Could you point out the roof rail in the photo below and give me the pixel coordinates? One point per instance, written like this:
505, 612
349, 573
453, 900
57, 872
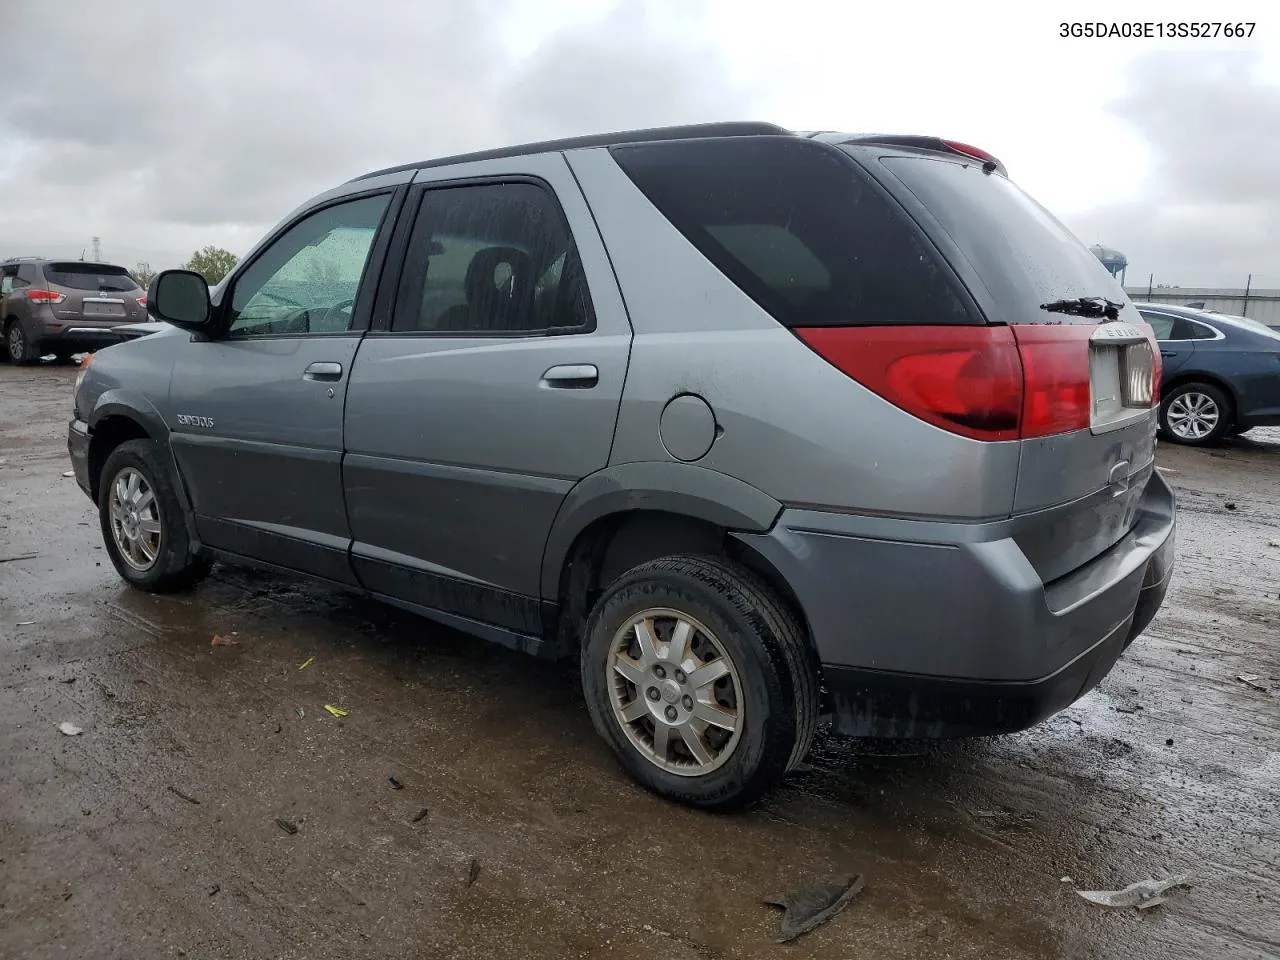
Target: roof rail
686, 132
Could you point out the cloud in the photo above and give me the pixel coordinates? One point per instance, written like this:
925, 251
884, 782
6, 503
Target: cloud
160, 130
1206, 214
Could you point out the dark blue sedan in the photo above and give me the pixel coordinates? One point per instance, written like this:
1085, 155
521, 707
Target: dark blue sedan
1221, 374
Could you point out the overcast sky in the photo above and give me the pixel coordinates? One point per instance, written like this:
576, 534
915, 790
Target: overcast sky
160, 129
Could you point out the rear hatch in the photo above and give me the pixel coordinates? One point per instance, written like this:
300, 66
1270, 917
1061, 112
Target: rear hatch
94, 294
1090, 368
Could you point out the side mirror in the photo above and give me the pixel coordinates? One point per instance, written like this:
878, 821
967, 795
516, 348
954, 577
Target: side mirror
181, 297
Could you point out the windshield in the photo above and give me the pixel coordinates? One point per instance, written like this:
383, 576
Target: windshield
1021, 252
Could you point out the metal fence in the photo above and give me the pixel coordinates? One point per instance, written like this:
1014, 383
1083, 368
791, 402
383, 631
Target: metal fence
1257, 303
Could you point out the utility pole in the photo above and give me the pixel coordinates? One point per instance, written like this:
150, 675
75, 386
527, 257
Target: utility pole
1151, 278
1244, 311
97, 249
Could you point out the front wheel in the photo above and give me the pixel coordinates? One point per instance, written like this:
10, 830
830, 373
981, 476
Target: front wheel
142, 523
700, 679
1196, 414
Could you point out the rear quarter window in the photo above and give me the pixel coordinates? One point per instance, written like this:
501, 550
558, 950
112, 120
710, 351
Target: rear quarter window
800, 229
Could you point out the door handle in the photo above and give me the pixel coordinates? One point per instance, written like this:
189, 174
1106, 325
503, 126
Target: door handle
572, 376
1168, 353
323, 370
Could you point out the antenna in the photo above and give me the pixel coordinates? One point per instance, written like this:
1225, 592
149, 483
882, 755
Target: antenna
82, 254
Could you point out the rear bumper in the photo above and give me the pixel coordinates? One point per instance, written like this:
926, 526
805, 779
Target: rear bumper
78, 448
934, 629
77, 336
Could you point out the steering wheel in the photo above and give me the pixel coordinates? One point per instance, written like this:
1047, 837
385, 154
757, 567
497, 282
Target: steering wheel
332, 314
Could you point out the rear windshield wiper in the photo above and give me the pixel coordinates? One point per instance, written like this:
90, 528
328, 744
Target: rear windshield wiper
1085, 307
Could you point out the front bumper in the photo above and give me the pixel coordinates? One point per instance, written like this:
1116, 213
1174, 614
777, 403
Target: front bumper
78, 448
932, 629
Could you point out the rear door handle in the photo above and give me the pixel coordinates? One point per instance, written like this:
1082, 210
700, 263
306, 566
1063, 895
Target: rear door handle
572, 376
323, 370
1168, 353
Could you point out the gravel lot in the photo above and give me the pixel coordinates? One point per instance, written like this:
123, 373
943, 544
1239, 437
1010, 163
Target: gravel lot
533, 843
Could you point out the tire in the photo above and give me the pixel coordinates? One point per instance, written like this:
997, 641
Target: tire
770, 687
158, 562
18, 347
1196, 415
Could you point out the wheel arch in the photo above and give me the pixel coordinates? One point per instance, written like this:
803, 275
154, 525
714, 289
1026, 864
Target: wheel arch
627, 515
117, 418
108, 433
120, 416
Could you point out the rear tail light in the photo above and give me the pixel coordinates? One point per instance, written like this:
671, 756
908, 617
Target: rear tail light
142, 302
1140, 368
1055, 365
964, 379
45, 296
983, 382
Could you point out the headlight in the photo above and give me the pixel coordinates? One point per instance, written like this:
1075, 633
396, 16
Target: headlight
84, 368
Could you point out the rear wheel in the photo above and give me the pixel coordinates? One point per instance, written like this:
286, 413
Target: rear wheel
700, 679
18, 347
143, 527
1196, 414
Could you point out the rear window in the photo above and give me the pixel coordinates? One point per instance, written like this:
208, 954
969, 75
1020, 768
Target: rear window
1022, 253
90, 276
800, 229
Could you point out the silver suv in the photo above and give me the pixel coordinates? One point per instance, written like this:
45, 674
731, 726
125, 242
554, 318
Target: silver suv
762, 429
64, 307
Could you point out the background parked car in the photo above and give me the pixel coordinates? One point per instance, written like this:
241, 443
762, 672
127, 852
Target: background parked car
64, 307
1221, 373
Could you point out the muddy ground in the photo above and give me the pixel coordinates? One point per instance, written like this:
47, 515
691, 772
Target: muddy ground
1171, 765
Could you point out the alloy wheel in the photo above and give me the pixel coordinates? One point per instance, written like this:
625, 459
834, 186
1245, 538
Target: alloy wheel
1192, 415
135, 519
675, 691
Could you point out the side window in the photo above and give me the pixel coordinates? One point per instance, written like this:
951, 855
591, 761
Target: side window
307, 280
7, 276
1198, 331
1161, 323
17, 276
492, 258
